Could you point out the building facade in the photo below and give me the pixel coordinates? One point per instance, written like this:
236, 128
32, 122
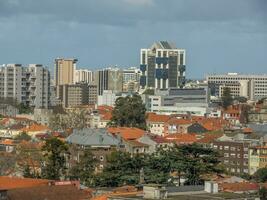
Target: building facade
109, 79
84, 76
253, 87
162, 66
28, 85
65, 71
131, 79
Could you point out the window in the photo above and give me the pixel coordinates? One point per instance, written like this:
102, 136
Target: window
232, 169
232, 154
226, 155
101, 158
238, 155
226, 161
226, 147
232, 148
245, 155
215, 146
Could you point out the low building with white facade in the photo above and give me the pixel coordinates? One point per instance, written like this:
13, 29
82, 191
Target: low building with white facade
253, 87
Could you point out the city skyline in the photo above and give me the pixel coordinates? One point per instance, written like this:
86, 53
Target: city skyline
219, 36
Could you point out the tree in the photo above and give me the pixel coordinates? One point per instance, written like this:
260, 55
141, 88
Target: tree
261, 175
29, 158
263, 193
55, 152
24, 109
23, 136
130, 112
227, 98
84, 169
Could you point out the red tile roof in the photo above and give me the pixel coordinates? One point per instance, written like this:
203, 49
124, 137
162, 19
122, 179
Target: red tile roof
238, 187
153, 117
35, 128
209, 137
8, 183
127, 133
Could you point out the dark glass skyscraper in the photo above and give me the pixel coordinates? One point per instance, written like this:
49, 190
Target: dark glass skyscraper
162, 66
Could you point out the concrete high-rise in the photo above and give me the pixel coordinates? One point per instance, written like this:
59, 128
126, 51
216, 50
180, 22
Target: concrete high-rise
65, 71
162, 66
84, 76
109, 79
29, 85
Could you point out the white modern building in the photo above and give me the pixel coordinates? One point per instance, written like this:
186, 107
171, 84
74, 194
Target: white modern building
84, 75
253, 87
29, 85
131, 78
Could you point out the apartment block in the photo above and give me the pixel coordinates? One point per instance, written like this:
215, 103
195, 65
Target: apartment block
253, 87
131, 79
29, 85
162, 66
65, 70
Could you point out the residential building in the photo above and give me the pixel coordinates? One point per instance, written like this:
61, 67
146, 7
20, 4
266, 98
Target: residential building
65, 71
109, 97
72, 95
178, 101
84, 76
257, 158
28, 85
155, 123
258, 114
162, 66
235, 154
109, 79
92, 95
253, 87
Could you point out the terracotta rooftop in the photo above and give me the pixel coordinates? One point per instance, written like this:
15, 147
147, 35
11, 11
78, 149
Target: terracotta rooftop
127, 133
175, 121
7, 142
153, 117
209, 137
64, 192
8, 183
35, 128
238, 187
106, 116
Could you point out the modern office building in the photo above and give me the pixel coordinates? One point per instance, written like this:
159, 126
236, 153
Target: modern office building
253, 87
29, 85
109, 79
162, 66
83, 76
92, 94
65, 71
178, 101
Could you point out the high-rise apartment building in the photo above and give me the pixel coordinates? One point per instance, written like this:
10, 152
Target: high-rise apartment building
131, 79
65, 71
252, 87
29, 85
162, 66
109, 79
84, 76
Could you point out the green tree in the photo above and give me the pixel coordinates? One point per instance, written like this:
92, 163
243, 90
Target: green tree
27, 172
263, 193
85, 168
23, 136
261, 175
24, 109
227, 98
55, 152
130, 112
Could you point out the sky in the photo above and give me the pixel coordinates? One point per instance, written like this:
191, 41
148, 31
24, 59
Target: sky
219, 35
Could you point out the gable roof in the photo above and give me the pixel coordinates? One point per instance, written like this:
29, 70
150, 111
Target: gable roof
92, 137
127, 133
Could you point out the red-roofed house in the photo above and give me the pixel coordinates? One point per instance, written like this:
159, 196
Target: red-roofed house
127, 133
156, 123
175, 125
243, 187
181, 139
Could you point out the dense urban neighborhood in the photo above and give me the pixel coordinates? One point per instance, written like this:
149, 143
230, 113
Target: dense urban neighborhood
138, 131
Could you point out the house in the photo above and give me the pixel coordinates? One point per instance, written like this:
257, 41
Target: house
196, 128
7, 145
155, 123
136, 147
127, 133
243, 187
259, 113
257, 158
8, 110
101, 116
35, 129
100, 141
176, 125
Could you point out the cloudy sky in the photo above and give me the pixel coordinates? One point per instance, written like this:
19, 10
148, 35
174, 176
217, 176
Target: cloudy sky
219, 35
